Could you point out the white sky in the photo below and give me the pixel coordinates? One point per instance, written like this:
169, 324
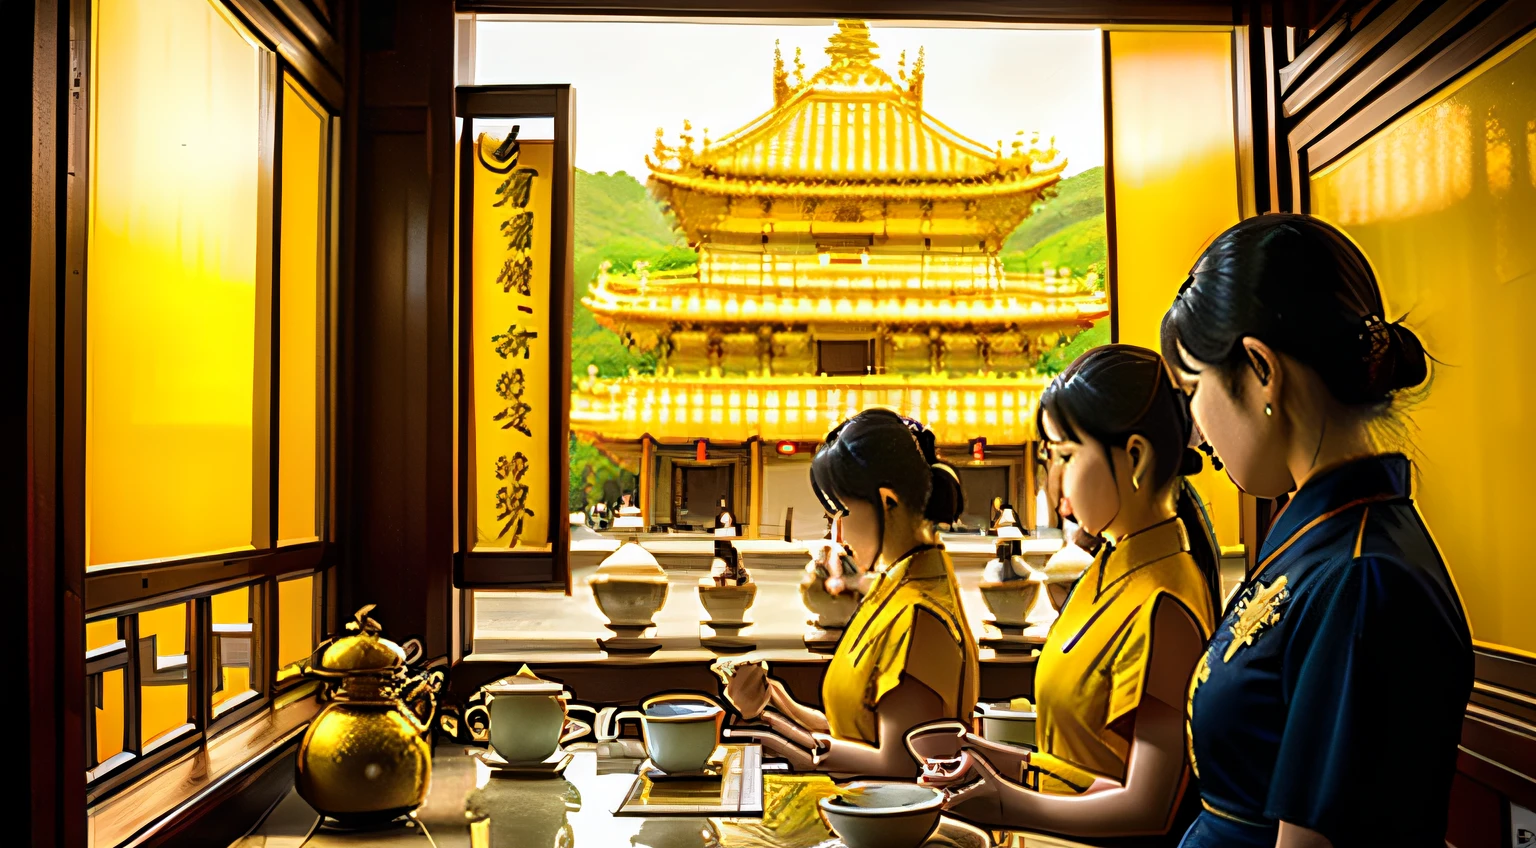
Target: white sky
632, 77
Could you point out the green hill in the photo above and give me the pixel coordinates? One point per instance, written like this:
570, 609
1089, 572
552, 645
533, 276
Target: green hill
615, 220
1077, 198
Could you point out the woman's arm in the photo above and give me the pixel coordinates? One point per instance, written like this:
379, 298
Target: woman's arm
907, 706
1145, 802
1292, 836
812, 720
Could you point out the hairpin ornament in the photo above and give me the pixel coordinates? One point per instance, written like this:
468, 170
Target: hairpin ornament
1375, 340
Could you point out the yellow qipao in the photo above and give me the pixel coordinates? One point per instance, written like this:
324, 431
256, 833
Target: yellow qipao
911, 623
1092, 670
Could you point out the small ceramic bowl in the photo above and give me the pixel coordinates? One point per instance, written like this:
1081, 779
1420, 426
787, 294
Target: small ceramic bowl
727, 604
629, 600
883, 815
1000, 723
1011, 600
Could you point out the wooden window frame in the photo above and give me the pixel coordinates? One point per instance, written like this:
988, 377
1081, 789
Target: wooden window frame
474, 569
124, 591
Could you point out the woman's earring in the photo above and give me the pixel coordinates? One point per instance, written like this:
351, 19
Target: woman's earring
1135, 484
1268, 410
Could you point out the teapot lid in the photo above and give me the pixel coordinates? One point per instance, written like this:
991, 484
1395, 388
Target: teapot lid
525, 682
364, 649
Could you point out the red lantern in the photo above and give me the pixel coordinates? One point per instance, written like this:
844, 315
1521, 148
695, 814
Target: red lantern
787, 448
701, 450
979, 448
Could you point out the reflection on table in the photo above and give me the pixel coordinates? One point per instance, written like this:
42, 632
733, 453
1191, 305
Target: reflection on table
469, 808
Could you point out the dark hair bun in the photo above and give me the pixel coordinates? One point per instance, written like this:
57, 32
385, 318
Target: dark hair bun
1191, 463
1303, 287
946, 500
1407, 364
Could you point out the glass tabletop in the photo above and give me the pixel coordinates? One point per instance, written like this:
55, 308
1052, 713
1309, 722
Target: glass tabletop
468, 807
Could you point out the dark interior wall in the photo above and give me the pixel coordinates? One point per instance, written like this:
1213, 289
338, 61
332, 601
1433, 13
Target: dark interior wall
39, 603
396, 409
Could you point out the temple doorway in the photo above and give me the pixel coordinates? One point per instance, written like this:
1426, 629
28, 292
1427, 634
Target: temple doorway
697, 492
981, 485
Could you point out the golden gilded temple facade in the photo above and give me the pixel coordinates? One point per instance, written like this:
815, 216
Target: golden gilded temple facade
847, 256
847, 249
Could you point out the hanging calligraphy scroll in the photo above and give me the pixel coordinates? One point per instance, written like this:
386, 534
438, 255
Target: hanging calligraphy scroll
514, 303
510, 386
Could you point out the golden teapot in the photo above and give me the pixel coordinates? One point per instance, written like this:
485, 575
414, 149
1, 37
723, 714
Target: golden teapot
366, 759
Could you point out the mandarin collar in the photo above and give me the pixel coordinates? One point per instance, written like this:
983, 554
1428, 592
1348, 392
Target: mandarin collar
1383, 475
1161, 540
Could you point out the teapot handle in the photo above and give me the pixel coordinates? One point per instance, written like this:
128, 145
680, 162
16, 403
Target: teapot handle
413, 650
478, 735
609, 719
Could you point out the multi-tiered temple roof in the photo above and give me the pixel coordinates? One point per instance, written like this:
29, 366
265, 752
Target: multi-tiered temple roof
845, 210
857, 141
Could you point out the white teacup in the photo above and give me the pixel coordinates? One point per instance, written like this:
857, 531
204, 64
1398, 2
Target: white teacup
528, 721
681, 731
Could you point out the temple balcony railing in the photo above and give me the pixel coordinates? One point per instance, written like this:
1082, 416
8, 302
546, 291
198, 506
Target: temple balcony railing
696, 302
803, 408
810, 279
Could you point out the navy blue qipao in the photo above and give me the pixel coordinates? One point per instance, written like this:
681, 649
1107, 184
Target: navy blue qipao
1332, 694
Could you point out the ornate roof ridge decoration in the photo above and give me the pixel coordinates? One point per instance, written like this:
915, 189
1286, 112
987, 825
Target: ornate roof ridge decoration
851, 123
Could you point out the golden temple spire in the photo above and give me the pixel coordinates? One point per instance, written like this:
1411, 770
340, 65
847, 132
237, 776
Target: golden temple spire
915, 85
851, 46
780, 77
799, 69
686, 150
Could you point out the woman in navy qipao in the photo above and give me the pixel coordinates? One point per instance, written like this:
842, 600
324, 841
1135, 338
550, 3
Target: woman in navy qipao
1328, 706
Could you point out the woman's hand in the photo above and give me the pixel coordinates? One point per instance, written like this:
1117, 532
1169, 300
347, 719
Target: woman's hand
969, 783
774, 745
746, 688
790, 730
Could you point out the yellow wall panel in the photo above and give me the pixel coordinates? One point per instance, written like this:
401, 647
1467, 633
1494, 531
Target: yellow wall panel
164, 705
109, 717
1444, 204
233, 607
99, 634
1175, 185
171, 286
295, 619
301, 269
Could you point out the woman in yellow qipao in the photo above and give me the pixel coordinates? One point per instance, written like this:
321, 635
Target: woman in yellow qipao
1111, 678
908, 657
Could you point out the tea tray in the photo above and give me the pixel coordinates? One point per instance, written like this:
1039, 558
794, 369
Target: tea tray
735, 792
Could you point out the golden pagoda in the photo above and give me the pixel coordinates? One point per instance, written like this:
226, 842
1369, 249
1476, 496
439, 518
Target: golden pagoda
847, 256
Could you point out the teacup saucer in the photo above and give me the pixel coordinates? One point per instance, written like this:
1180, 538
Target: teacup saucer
552, 766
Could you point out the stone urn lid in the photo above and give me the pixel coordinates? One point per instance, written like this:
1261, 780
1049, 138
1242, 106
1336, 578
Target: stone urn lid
628, 518
630, 562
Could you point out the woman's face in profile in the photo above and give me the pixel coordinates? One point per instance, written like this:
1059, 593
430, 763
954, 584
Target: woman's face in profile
1079, 481
1235, 426
861, 533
